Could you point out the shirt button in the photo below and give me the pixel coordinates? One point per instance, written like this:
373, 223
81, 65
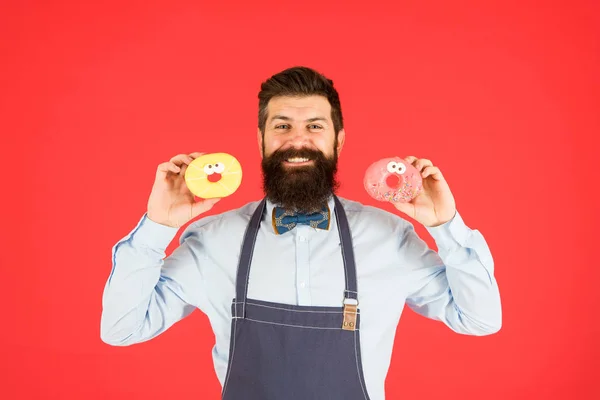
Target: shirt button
302, 284
302, 238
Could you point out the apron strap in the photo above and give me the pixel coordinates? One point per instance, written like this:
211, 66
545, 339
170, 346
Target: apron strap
351, 292
243, 271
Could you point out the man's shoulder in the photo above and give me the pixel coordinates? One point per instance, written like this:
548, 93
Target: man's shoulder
224, 222
359, 213
356, 207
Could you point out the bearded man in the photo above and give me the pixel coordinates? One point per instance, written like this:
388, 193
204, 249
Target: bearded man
303, 289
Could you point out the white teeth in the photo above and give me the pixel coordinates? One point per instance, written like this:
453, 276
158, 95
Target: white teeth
297, 160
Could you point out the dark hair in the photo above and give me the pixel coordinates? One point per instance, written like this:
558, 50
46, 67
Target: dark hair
299, 81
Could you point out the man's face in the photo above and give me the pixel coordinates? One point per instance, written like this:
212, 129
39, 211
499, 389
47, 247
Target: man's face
299, 151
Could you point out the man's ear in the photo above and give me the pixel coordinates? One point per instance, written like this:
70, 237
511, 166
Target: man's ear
260, 142
341, 138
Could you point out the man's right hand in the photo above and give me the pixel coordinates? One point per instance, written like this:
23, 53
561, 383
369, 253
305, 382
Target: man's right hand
171, 203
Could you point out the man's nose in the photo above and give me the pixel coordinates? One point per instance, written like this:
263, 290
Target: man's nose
298, 137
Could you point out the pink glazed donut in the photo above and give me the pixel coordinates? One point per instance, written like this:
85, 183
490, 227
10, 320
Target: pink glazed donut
393, 179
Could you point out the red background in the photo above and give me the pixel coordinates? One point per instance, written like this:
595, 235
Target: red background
502, 97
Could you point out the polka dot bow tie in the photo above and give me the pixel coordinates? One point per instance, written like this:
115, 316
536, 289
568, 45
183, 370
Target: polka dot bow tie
284, 220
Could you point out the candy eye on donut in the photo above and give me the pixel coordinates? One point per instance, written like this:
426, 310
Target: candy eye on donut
209, 169
219, 167
396, 167
392, 167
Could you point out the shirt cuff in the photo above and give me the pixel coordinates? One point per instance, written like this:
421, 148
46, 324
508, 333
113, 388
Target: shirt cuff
451, 234
152, 234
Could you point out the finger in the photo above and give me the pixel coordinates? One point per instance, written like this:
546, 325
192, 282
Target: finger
184, 168
193, 156
422, 163
203, 206
434, 172
410, 159
166, 167
181, 159
406, 208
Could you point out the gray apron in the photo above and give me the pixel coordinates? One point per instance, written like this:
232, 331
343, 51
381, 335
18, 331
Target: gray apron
288, 352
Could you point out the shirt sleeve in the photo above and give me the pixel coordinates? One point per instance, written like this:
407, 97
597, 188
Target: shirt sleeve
456, 285
146, 293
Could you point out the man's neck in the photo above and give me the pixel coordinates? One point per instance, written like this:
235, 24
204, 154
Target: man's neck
314, 209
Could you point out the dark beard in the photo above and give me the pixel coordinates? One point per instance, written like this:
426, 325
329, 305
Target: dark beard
303, 189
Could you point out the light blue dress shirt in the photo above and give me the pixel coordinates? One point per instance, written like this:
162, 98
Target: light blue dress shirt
146, 292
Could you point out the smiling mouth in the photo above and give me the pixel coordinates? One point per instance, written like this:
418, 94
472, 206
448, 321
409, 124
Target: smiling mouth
298, 161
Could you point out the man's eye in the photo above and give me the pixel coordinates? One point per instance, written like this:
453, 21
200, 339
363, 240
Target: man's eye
280, 126
315, 127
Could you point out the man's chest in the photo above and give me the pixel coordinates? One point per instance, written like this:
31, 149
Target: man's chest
304, 268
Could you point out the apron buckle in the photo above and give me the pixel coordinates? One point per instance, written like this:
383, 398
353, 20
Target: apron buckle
350, 311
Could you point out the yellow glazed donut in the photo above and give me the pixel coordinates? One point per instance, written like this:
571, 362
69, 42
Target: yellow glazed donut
213, 175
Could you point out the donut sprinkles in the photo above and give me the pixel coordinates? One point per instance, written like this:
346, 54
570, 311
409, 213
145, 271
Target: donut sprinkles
405, 193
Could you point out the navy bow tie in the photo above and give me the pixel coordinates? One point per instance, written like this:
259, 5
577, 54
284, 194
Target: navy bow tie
284, 220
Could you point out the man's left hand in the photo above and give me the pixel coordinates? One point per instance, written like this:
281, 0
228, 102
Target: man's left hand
435, 205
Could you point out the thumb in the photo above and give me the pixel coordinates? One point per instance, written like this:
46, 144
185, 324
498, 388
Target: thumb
406, 208
203, 206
